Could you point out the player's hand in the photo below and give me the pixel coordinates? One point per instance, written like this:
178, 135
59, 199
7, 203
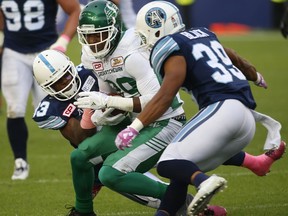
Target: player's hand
91, 100
105, 118
61, 44
260, 81
125, 137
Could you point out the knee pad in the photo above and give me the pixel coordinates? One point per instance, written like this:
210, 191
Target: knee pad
77, 159
109, 176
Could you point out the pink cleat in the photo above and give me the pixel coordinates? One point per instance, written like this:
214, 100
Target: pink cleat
214, 211
266, 160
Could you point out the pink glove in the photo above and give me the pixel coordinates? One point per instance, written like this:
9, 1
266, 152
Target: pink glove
125, 137
260, 81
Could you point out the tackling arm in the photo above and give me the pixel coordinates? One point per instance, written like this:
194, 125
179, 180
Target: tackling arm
73, 132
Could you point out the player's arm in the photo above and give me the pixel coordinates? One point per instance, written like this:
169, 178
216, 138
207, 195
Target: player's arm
73, 132
174, 75
146, 82
246, 67
72, 9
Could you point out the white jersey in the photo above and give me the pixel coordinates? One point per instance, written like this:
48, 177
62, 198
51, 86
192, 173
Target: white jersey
127, 70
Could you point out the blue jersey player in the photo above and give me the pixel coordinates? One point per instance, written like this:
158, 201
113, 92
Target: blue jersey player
216, 79
62, 81
30, 27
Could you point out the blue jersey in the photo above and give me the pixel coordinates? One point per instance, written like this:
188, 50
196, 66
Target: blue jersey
210, 75
54, 114
30, 26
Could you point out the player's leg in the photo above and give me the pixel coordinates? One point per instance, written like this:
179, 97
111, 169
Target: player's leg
88, 154
16, 83
122, 170
260, 164
196, 152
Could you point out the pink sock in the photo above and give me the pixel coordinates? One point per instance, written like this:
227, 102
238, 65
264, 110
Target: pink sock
260, 165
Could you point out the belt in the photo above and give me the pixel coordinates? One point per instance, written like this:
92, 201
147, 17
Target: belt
181, 117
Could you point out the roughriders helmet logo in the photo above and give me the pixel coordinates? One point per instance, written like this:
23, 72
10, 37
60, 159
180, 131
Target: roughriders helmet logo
155, 17
111, 11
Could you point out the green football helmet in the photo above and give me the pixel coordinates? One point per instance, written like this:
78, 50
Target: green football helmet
100, 27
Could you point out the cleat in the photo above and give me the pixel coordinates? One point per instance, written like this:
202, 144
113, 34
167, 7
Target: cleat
206, 191
214, 211
210, 211
276, 154
266, 160
74, 212
21, 170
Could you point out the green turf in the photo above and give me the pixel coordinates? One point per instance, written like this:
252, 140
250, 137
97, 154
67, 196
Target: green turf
49, 187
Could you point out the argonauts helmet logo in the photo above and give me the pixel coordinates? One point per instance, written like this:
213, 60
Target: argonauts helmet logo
155, 17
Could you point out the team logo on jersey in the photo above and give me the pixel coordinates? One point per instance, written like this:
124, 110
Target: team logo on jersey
155, 17
69, 110
117, 61
97, 66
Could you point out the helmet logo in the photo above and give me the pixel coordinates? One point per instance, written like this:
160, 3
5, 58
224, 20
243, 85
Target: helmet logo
155, 17
111, 11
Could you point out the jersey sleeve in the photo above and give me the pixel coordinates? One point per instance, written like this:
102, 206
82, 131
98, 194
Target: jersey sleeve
162, 49
53, 114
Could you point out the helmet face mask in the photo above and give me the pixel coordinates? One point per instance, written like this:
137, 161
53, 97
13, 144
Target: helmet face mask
100, 27
56, 75
156, 20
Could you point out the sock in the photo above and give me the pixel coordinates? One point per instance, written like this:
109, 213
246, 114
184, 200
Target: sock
132, 183
161, 213
236, 160
199, 178
18, 136
178, 170
83, 180
174, 197
257, 164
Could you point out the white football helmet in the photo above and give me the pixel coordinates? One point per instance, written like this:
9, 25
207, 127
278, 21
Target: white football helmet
50, 66
157, 19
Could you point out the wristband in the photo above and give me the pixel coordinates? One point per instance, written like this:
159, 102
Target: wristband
137, 125
121, 103
1, 38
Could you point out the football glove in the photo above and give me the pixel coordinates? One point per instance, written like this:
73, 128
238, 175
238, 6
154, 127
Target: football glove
125, 137
91, 100
260, 81
100, 118
61, 44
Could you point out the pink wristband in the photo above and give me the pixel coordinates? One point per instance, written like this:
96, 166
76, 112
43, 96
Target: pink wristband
66, 37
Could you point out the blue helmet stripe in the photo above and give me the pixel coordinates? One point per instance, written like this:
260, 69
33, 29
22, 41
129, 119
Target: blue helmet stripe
48, 65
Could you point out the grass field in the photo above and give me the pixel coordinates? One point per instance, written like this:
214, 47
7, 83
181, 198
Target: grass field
49, 187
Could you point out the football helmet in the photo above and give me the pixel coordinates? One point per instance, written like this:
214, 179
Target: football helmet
157, 19
49, 67
101, 19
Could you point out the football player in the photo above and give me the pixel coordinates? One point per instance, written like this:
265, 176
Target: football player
30, 27
216, 78
62, 81
120, 64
